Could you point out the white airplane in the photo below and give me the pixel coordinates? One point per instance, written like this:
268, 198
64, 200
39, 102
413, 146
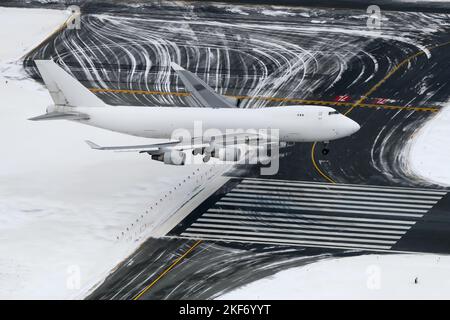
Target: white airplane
73, 101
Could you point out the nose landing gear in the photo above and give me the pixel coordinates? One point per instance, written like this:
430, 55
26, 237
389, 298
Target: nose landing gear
325, 150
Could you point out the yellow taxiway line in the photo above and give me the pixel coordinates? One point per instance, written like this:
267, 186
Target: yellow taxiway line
276, 99
313, 160
177, 261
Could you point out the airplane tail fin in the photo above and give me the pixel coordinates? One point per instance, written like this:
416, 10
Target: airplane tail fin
64, 89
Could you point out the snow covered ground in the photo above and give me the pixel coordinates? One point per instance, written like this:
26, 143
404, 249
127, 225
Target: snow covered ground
23, 29
68, 214
428, 152
362, 277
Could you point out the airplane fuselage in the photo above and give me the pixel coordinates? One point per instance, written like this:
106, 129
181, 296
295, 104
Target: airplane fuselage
294, 123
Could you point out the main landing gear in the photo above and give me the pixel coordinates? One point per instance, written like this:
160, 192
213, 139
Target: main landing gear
206, 158
202, 151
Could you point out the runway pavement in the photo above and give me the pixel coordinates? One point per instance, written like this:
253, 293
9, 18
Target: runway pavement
362, 197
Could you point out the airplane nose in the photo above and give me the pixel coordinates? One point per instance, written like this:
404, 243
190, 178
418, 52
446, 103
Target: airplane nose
354, 126
349, 127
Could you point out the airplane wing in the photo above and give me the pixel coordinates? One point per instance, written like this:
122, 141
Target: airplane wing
150, 148
203, 93
198, 142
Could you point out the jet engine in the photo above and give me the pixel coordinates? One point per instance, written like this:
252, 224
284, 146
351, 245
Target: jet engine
227, 154
176, 158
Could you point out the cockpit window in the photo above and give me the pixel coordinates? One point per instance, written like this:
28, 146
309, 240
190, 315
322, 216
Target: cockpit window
332, 112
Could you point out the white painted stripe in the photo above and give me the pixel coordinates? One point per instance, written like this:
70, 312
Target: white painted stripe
285, 207
344, 186
340, 195
309, 204
269, 227
294, 220
301, 224
346, 192
290, 235
310, 216
337, 245
375, 203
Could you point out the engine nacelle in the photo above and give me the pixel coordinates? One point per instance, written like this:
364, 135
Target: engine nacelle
227, 154
176, 158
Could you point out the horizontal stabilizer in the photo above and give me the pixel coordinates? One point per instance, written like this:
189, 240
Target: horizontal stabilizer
61, 116
93, 145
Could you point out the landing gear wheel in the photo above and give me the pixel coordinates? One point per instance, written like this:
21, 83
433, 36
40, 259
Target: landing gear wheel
197, 151
206, 158
325, 151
